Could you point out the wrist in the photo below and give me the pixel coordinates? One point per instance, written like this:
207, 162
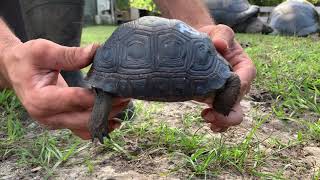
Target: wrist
6, 46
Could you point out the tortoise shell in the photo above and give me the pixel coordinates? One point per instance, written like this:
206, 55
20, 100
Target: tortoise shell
154, 58
295, 17
231, 12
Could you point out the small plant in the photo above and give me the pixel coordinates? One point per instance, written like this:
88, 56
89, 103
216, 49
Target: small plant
90, 166
316, 175
10, 103
46, 152
314, 129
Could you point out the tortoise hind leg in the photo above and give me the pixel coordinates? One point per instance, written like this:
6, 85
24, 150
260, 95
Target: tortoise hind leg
228, 96
98, 124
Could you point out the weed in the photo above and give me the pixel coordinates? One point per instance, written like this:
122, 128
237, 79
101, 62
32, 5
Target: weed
46, 152
12, 125
316, 175
189, 119
90, 166
314, 129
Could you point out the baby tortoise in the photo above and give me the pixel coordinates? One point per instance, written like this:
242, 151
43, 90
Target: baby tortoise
158, 59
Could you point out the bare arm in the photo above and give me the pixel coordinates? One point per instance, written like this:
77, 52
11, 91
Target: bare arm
7, 38
192, 12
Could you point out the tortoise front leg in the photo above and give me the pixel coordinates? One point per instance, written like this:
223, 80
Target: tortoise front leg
226, 98
98, 124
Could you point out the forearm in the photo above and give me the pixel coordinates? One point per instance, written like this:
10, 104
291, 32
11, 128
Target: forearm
193, 12
7, 39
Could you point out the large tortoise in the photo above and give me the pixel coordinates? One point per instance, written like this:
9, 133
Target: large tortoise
295, 17
240, 15
158, 59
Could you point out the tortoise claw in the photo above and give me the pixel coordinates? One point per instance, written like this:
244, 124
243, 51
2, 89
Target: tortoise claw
100, 136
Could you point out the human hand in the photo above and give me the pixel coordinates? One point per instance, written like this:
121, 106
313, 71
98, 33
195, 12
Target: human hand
32, 70
223, 39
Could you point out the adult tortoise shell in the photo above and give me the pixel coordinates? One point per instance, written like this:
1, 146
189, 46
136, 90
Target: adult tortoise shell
295, 18
158, 59
240, 15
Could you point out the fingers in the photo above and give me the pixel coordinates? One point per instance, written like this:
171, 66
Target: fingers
220, 122
120, 101
221, 35
246, 73
55, 100
223, 39
56, 57
221, 45
243, 66
85, 134
77, 121
61, 82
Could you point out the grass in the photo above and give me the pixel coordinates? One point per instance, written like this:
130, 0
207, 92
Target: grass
287, 79
288, 69
96, 34
13, 127
201, 155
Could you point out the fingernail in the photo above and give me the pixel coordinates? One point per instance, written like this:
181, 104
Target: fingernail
90, 49
215, 129
114, 123
205, 112
226, 43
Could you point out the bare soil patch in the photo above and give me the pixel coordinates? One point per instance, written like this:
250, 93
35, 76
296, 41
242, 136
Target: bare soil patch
296, 161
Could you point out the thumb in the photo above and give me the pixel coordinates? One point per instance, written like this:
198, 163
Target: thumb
220, 44
221, 35
74, 58
219, 121
223, 38
47, 54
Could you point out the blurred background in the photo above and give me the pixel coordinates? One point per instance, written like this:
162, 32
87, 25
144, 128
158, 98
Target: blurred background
119, 11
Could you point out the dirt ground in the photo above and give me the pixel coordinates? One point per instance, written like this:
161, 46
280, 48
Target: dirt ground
296, 162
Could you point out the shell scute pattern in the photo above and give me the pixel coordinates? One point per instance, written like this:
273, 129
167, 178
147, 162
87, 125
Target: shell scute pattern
135, 54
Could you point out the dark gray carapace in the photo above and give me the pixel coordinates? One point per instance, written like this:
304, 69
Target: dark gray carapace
158, 59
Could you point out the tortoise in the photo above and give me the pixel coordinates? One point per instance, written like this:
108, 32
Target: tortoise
240, 15
158, 59
295, 17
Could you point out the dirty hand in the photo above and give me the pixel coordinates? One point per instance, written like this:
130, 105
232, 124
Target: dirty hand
32, 70
223, 39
